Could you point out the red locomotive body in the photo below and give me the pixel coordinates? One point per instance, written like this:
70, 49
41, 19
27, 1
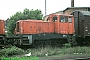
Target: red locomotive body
2, 27
35, 32
34, 27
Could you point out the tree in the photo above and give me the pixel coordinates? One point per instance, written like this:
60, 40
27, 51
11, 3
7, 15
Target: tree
26, 14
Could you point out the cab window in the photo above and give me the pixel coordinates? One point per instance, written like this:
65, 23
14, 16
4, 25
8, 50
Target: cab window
54, 18
70, 19
48, 19
63, 19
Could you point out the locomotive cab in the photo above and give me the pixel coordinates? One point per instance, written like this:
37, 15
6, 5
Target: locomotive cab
64, 25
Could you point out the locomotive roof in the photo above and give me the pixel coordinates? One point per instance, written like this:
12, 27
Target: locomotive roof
31, 20
63, 14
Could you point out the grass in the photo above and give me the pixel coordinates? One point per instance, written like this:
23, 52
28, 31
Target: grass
59, 51
64, 52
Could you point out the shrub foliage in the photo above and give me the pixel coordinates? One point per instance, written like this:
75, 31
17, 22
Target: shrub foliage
11, 51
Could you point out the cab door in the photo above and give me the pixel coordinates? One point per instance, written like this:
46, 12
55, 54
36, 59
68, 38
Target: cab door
71, 25
63, 25
55, 21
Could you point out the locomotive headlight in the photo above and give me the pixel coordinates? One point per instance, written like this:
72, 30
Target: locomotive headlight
86, 27
64, 35
44, 34
74, 35
86, 30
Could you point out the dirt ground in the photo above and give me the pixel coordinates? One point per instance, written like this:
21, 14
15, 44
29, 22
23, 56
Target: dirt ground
66, 57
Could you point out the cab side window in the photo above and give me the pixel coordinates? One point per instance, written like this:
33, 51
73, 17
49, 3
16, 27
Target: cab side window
66, 19
70, 19
63, 19
54, 18
48, 19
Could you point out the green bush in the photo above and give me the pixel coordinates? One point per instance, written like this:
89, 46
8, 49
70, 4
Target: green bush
11, 51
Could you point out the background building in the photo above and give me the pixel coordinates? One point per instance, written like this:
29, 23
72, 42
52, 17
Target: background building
69, 10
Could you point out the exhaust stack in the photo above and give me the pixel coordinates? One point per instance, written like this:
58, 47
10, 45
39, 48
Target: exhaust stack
72, 3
